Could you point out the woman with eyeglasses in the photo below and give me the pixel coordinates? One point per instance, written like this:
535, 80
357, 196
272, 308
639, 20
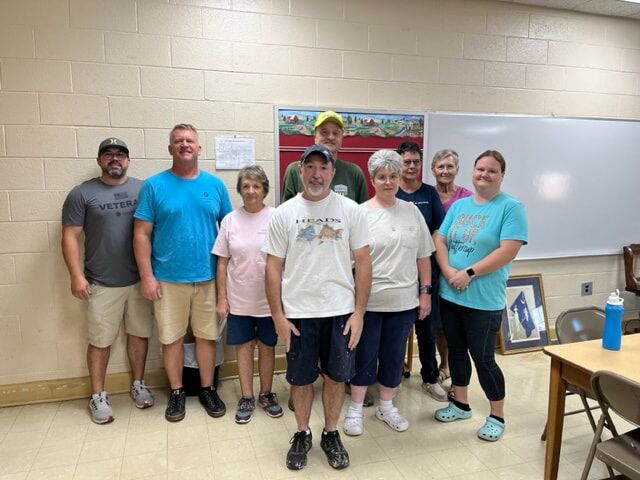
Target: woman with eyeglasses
425, 197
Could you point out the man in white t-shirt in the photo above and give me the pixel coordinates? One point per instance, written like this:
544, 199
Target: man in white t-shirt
316, 303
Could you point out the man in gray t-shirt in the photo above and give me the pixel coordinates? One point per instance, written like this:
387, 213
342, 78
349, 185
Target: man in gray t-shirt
103, 209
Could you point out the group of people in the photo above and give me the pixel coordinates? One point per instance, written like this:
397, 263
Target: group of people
340, 278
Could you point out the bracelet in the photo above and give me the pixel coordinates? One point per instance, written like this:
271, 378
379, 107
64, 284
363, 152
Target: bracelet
428, 289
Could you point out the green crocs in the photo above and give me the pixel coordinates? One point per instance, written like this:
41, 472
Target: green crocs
451, 413
492, 430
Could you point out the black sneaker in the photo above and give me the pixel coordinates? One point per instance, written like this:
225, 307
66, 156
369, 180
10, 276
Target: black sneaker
175, 406
332, 446
212, 403
297, 454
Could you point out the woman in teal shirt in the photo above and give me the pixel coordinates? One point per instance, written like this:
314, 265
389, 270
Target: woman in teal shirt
475, 245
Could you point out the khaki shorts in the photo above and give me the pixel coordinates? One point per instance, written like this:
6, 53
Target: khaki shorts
182, 303
106, 308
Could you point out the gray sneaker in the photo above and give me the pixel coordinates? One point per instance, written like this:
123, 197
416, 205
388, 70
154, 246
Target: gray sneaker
436, 391
269, 401
100, 409
141, 395
246, 406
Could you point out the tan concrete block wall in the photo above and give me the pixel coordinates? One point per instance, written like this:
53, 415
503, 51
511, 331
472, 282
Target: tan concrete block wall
73, 72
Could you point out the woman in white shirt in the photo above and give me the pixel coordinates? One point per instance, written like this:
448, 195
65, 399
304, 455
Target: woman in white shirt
400, 248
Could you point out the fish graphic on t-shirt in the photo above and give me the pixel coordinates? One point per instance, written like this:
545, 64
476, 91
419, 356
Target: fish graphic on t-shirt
329, 233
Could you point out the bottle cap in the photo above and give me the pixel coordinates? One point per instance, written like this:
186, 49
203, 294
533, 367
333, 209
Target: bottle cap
615, 298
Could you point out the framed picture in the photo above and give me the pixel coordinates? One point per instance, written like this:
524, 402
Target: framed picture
525, 324
365, 131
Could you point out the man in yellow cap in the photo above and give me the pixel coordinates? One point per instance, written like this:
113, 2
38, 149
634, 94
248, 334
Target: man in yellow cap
348, 180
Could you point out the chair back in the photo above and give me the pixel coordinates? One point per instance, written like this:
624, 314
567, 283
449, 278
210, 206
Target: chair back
618, 393
629, 254
580, 324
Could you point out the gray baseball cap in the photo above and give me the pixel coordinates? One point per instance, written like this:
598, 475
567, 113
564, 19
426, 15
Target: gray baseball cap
112, 142
321, 149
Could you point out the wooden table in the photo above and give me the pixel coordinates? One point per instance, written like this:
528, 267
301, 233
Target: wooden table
574, 363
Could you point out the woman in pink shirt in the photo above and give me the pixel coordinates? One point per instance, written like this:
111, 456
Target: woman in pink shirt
445, 167
241, 291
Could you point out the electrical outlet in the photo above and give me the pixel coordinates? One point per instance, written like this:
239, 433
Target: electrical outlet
586, 288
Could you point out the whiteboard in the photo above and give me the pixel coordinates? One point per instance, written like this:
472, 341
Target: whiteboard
577, 178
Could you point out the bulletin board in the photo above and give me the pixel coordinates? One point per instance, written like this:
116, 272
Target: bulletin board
364, 133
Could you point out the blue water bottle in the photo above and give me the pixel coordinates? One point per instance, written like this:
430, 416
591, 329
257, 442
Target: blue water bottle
612, 334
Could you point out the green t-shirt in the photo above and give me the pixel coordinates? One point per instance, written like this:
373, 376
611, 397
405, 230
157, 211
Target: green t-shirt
348, 181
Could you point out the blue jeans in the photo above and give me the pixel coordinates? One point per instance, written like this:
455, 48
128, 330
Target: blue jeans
473, 332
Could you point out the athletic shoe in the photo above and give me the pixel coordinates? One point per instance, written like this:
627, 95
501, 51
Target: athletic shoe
336, 453
212, 403
269, 401
297, 454
246, 406
100, 409
175, 406
141, 395
392, 418
435, 391
353, 423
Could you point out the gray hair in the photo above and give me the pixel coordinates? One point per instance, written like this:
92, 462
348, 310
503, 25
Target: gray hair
253, 172
447, 152
384, 159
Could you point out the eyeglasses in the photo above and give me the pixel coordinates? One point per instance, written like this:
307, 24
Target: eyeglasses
112, 155
408, 163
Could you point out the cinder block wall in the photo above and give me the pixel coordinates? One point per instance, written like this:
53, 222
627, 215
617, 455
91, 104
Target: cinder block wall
75, 71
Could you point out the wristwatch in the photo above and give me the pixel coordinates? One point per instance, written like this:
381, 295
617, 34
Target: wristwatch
428, 289
471, 272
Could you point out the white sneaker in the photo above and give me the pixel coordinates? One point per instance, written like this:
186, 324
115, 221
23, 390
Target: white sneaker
100, 409
393, 418
436, 391
353, 423
141, 395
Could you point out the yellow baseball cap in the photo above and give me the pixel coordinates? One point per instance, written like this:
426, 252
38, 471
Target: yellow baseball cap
329, 116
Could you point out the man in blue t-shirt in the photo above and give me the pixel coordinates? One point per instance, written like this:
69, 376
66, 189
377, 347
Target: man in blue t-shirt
176, 224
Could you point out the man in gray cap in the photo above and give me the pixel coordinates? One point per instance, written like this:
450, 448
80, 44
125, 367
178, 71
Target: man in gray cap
316, 303
103, 209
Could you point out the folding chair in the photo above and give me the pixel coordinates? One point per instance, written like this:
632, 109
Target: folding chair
579, 325
622, 452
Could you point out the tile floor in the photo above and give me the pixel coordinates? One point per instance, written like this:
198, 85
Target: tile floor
58, 440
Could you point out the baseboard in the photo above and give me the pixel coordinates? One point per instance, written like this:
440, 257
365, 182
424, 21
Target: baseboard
74, 388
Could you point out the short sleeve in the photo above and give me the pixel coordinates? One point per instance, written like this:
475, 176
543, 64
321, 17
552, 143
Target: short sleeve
425, 247
515, 226
225, 201
361, 187
438, 211
359, 235
73, 209
289, 189
221, 245
145, 210
277, 240
448, 219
